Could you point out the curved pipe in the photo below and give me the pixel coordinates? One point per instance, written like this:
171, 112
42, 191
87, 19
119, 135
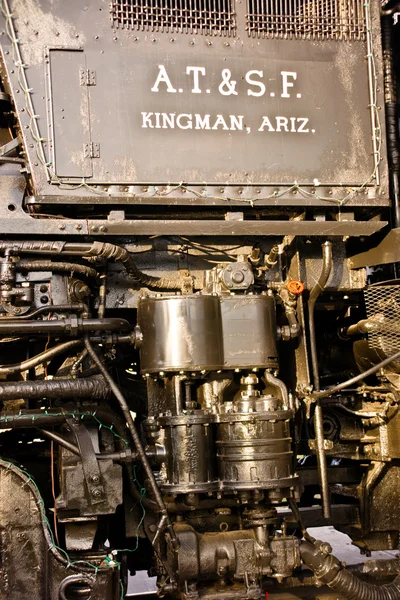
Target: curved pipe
45, 356
280, 386
75, 579
318, 416
328, 569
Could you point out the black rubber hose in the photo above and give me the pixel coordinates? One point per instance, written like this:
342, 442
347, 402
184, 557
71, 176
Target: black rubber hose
136, 440
57, 267
120, 254
92, 387
102, 250
69, 326
329, 571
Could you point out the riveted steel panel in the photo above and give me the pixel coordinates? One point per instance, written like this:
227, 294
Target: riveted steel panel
209, 108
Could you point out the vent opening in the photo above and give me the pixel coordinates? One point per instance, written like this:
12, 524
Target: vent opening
306, 19
208, 17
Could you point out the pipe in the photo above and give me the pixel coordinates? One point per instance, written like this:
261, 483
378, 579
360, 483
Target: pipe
69, 325
357, 378
45, 356
314, 294
55, 388
280, 386
101, 250
115, 456
55, 437
56, 267
318, 416
329, 570
271, 260
364, 326
137, 443
78, 307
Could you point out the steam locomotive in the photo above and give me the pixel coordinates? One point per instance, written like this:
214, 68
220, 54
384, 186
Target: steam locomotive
199, 297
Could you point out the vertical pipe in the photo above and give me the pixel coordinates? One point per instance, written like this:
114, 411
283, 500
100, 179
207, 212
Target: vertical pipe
318, 416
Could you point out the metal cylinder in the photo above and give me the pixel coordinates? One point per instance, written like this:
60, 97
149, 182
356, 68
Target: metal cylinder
190, 454
180, 333
249, 332
254, 446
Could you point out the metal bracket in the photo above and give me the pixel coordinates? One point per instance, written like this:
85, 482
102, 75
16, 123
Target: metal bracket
87, 77
10, 147
90, 466
91, 150
328, 444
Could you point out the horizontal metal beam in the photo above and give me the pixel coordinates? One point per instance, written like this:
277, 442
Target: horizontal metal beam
27, 225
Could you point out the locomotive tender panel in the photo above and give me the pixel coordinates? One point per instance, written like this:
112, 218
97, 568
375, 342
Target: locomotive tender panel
222, 95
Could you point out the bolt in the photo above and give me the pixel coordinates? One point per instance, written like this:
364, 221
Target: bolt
78, 227
96, 493
62, 227
95, 479
103, 229
325, 548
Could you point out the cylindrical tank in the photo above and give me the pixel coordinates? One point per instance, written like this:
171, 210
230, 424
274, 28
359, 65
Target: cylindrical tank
254, 445
180, 333
190, 454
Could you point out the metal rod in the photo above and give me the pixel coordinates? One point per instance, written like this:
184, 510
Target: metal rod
357, 378
318, 416
60, 440
137, 443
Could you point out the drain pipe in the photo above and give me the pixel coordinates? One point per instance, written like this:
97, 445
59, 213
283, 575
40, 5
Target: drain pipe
318, 417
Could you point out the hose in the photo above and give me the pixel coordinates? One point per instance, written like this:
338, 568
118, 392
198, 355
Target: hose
330, 571
137, 443
101, 250
56, 267
92, 387
318, 416
69, 325
45, 356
